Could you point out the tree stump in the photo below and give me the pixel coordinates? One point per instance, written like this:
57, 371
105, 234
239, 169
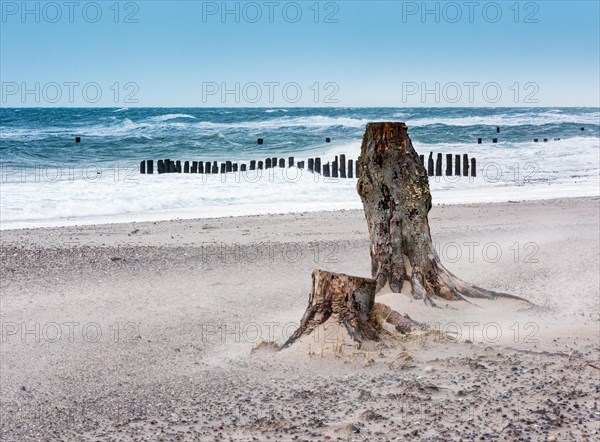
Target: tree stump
347, 299
394, 190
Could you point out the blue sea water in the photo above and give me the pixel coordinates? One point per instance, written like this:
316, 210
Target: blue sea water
49, 179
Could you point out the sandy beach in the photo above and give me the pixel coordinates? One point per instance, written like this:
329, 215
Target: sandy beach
145, 331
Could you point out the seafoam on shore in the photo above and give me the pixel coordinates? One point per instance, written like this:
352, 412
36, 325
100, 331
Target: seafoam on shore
48, 179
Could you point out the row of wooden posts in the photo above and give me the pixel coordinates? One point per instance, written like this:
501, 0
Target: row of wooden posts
535, 140
338, 168
328, 140
436, 168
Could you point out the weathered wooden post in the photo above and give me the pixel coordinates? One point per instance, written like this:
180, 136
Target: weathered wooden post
228, 166
143, 166
479, 140
186, 167
430, 164
457, 165
150, 167
260, 165
473, 167
317, 165
172, 167
161, 166
300, 164
422, 159
260, 141
235, 167
274, 162
334, 168
465, 165
167, 165
350, 168
194, 168
178, 166
438, 165
326, 170
328, 140
311, 164
252, 164
223, 168
215, 168
282, 163
243, 168
448, 164
268, 163
342, 166
498, 129
357, 165
290, 161
494, 140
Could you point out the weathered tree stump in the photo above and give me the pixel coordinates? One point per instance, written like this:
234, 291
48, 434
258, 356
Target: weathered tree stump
394, 189
347, 299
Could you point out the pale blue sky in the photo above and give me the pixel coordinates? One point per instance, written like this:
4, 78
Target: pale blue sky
377, 53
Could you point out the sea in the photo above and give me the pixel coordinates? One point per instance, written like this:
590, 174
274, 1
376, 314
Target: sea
47, 179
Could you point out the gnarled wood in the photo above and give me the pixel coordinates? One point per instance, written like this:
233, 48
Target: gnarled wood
394, 189
402, 323
347, 299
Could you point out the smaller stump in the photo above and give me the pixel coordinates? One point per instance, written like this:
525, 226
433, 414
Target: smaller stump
348, 299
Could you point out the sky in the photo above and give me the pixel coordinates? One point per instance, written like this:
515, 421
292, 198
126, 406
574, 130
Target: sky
303, 53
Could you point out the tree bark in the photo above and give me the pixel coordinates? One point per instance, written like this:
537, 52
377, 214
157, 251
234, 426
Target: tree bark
394, 189
347, 299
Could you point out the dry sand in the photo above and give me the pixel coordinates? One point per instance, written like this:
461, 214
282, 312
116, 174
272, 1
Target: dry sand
144, 331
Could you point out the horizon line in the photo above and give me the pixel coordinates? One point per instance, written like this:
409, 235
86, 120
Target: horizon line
298, 107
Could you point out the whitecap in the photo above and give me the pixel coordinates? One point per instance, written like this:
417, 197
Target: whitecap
518, 119
168, 117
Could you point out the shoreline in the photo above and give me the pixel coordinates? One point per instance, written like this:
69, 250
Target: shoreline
122, 219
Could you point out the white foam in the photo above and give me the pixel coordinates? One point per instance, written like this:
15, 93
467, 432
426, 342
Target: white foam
509, 119
171, 117
147, 127
170, 196
315, 121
